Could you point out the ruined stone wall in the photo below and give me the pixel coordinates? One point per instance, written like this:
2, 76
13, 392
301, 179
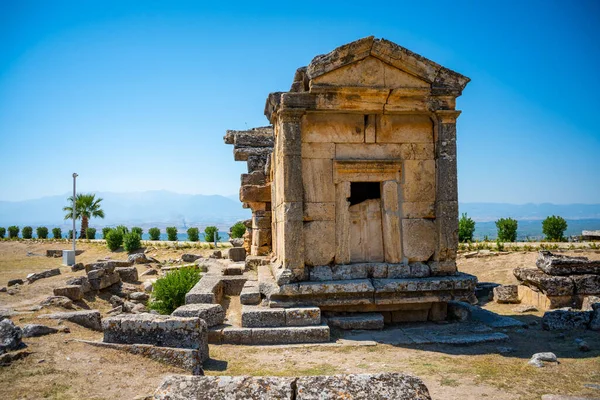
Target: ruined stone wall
255, 147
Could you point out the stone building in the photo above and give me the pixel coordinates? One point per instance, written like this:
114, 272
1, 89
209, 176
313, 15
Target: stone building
360, 186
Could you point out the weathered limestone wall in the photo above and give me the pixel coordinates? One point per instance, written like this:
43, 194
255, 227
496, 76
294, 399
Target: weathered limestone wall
255, 147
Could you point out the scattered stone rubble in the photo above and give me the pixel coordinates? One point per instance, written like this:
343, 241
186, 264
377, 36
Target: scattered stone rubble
353, 386
87, 318
559, 281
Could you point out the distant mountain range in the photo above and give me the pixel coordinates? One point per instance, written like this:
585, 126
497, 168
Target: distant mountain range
163, 208
151, 208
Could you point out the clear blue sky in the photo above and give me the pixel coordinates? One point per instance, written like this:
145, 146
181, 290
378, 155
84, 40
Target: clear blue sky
137, 95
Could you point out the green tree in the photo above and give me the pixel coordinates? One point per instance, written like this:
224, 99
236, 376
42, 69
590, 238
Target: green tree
154, 233
2, 233
138, 230
90, 233
466, 227
238, 230
193, 234
211, 233
507, 229
13, 232
105, 231
27, 232
554, 228
42, 232
172, 233
56, 233
87, 206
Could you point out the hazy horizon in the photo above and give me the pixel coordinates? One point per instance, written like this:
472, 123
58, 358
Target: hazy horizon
136, 96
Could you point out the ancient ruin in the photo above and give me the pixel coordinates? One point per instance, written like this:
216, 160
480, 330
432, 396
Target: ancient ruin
353, 189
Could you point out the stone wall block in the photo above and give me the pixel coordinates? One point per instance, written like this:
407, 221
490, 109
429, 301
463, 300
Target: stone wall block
419, 183
319, 242
418, 239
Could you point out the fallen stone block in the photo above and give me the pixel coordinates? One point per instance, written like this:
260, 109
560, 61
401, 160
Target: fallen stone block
548, 284
250, 294
212, 314
87, 318
258, 317
102, 278
35, 330
106, 264
73, 292
77, 267
362, 386
157, 330
586, 284
233, 270
148, 286
291, 335
139, 296
41, 275
595, 320
140, 258
566, 319
484, 289
180, 387
237, 254
127, 274
208, 290
557, 264
253, 262
523, 308
506, 294
80, 281
538, 359
57, 301
9, 358
357, 321
187, 359
10, 336
14, 282
190, 257
302, 316
54, 253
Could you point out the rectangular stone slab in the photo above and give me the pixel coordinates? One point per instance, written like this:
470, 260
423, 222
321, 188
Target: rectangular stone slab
291, 335
550, 285
212, 314
558, 264
157, 330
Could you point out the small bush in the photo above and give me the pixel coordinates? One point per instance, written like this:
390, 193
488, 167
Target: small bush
507, 229
499, 245
56, 233
90, 233
2, 233
169, 292
42, 232
105, 231
238, 230
70, 235
193, 234
13, 232
138, 230
132, 241
172, 233
27, 232
211, 233
154, 233
466, 227
114, 239
124, 230
554, 228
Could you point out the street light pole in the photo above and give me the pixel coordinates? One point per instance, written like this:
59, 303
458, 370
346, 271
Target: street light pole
74, 209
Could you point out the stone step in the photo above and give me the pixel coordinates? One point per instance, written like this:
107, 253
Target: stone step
357, 321
233, 270
262, 317
212, 314
250, 294
270, 335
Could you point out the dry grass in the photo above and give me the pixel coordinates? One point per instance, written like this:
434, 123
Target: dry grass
60, 368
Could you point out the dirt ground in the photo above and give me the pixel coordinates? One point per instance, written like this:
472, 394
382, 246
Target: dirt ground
61, 368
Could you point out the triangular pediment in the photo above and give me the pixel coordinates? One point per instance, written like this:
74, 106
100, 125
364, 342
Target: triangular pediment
370, 72
384, 64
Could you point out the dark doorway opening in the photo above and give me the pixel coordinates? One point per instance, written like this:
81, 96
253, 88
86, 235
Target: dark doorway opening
361, 191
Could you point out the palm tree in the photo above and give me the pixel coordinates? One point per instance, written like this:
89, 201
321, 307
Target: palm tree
86, 206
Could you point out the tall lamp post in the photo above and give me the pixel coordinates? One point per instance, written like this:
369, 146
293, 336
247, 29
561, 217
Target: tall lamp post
74, 209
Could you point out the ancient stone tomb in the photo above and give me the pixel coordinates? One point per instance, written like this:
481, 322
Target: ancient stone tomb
355, 196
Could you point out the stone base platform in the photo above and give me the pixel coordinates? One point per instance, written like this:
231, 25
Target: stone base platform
374, 294
269, 335
543, 302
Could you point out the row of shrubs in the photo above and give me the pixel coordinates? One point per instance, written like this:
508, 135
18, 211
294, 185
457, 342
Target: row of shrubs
553, 227
210, 232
